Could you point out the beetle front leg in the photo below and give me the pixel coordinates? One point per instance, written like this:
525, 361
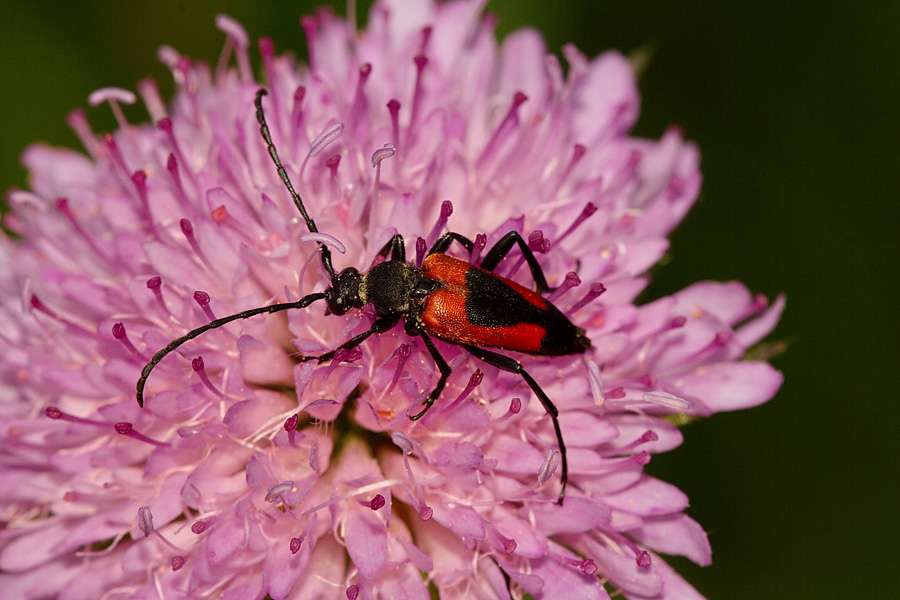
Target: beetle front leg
379, 326
396, 247
443, 243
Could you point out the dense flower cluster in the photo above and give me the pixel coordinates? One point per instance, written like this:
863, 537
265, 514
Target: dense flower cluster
249, 473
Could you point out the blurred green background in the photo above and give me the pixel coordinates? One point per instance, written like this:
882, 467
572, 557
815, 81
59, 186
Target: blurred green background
796, 109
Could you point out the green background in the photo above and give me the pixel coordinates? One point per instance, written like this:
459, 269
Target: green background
795, 107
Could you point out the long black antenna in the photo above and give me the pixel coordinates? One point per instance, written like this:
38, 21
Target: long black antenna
272, 308
310, 224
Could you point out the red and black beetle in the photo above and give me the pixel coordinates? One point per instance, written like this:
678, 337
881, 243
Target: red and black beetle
446, 297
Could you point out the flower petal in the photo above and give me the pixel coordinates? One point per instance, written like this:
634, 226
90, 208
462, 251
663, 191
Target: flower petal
574, 515
366, 542
731, 385
675, 534
648, 497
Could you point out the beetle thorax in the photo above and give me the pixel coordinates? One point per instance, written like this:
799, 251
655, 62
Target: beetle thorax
389, 286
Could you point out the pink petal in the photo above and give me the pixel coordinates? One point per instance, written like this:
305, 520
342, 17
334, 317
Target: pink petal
328, 562
283, 568
574, 515
464, 521
586, 430
530, 542
463, 455
727, 302
633, 427
494, 578
366, 542
648, 497
515, 456
675, 534
606, 100
731, 385
31, 549
674, 587
522, 56
263, 363
624, 573
762, 325
225, 539
565, 581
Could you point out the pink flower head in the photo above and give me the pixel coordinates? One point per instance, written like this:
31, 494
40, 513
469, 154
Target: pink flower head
250, 472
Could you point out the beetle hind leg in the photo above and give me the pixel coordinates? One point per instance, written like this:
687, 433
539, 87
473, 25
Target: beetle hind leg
505, 363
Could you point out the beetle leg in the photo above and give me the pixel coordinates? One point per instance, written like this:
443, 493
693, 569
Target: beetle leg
396, 247
379, 326
505, 363
443, 243
441, 365
502, 248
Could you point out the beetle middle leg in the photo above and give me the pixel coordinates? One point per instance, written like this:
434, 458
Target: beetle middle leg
505, 363
442, 366
499, 250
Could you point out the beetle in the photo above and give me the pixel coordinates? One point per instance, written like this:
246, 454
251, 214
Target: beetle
448, 298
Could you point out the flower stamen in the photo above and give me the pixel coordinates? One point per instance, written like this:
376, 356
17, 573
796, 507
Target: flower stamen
118, 331
667, 400
172, 168
509, 122
165, 124
474, 382
41, 307
127, 429
237, 40
203, 299
420, 62
55, 413
62, 205
589, 209
113, 96
200, 370
443, 217
571, 280
548, 466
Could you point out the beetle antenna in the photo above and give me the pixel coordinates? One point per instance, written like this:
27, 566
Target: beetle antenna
282, 173
272, 308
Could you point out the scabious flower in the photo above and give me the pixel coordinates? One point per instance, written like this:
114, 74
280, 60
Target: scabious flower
249, 473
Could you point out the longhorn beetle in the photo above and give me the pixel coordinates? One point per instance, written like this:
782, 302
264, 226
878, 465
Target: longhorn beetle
446, 297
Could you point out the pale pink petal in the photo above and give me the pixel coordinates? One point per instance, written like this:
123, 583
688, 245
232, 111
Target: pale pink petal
731, 385
762, 325
624, 572
575, 515
676, 534
366, 541
674, 587
606, 101
522, 56
648, 497
727, 302
567, 582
